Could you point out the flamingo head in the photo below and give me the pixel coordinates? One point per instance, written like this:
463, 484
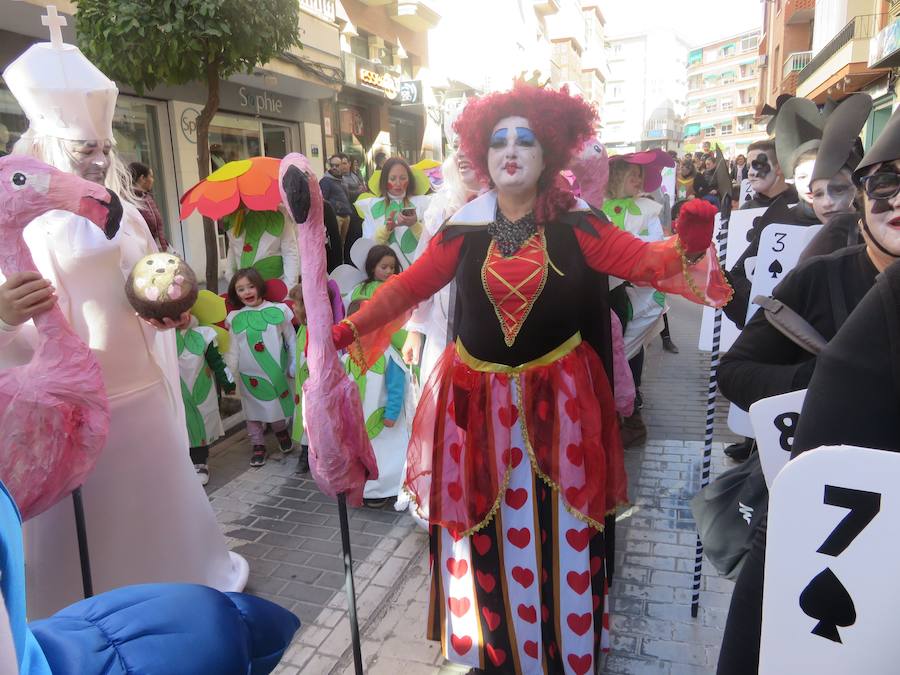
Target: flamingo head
29, 188
591, 167
300, 191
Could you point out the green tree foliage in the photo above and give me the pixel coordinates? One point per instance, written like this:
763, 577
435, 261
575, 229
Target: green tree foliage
146, 43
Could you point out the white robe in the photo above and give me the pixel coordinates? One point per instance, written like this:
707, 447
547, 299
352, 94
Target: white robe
147, 516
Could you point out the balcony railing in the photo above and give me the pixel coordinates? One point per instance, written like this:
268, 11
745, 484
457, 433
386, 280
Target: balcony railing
324, 9
796, 62
859, 28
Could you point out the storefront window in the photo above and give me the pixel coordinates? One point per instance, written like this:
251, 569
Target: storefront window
232, 138
12, 121
353, 132
406, 138
136, 128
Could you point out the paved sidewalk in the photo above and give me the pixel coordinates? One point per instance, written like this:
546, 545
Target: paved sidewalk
289, 533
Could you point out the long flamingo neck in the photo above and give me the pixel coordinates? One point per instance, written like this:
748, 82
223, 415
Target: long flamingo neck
15, 257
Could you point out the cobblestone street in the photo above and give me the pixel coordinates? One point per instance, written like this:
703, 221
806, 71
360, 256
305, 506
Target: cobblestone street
289, 533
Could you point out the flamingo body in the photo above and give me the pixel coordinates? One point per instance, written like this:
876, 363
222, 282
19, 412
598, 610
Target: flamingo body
340, 455
591, 169
54, 413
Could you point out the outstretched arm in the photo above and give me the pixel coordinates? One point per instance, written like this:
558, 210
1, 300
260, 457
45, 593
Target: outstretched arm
372, 326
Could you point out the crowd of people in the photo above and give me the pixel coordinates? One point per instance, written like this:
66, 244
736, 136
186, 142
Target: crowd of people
496, 328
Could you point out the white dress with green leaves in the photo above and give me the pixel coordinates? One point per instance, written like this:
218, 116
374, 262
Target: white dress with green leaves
301, 374
404, 240
260, 354
265, 241
201, 404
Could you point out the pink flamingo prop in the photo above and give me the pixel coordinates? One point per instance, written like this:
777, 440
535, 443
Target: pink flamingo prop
340, 454
54, 414
591, 169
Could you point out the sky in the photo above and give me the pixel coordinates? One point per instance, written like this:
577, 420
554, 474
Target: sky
698, 21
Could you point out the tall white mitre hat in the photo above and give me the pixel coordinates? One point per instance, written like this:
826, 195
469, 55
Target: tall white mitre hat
62, 93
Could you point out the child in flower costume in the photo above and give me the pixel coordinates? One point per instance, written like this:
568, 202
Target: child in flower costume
261, 353
199, 361
265, 241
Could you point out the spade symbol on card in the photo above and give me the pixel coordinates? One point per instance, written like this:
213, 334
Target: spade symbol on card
826, 600
775, 268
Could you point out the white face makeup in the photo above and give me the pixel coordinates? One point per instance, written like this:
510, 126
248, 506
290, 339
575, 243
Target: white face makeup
466, 170
833, 196
90, 159
883, 215
515, 156
802, 174
761, 172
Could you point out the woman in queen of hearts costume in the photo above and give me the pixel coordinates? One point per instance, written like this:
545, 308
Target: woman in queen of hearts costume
515, 459
148, 519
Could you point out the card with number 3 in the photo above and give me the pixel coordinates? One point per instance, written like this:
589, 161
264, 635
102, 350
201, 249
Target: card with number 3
831, 584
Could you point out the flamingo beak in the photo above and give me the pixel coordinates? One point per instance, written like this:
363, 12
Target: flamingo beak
295, 188
104, 213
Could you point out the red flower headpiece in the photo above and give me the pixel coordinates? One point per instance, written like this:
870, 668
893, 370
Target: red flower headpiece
561, 122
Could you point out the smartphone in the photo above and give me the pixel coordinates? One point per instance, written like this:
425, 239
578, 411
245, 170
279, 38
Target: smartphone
409, 213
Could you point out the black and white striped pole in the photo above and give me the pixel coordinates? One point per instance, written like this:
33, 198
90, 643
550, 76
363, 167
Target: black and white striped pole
725, 216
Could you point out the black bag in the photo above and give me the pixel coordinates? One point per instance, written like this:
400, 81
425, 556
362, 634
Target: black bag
727, 512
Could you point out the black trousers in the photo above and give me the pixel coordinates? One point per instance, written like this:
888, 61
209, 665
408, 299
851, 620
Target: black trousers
740, 644
200, 454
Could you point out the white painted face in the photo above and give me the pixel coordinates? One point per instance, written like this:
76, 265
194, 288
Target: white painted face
833, 196
515, 156
761, 173
466, 170
90, 159
883, 215
802, 175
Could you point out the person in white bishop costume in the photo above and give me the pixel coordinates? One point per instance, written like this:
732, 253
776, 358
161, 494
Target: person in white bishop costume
147, 517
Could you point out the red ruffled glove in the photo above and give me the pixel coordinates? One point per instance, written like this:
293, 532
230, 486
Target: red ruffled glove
695, 226
342, 335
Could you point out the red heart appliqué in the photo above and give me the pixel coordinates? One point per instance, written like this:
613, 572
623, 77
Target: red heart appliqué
459, 606
513, 456
575, 453
527, 613
523, 575
455, 491
580, 623
482, 543
461, 645
572, 410
497, 656
531, 648
578, 582
486, 581
519, 537
457, 568
578, 539
575, 496
455, 451
580, 664
596, 565
492, 618
516, 499
508, 415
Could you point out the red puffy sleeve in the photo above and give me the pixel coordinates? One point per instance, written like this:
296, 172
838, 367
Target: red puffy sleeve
661, 264
391, 305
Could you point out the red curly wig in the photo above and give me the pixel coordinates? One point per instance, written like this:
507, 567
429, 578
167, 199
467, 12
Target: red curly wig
561, 122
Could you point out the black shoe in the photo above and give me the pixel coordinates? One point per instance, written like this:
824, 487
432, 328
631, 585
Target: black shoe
739, 452
285, 442
376, 503
638, 399
258, 458
669, 346
303, 460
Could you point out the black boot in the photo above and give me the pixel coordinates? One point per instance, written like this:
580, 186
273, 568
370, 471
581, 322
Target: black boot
303, 460
739, 452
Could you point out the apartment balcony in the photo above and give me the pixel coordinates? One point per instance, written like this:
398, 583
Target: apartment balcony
884, 49
841, 67
796, 62
799, 11
546, 7
415, 14
324, 9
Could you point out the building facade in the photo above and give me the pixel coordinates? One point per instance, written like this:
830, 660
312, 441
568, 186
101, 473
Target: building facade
645, 97
722, 82
785, 48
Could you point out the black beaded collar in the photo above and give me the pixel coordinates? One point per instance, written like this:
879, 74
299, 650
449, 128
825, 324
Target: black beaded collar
509, 235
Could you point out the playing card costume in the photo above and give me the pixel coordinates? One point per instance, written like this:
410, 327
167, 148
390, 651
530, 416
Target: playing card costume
824, 290
147, 517
515, 459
